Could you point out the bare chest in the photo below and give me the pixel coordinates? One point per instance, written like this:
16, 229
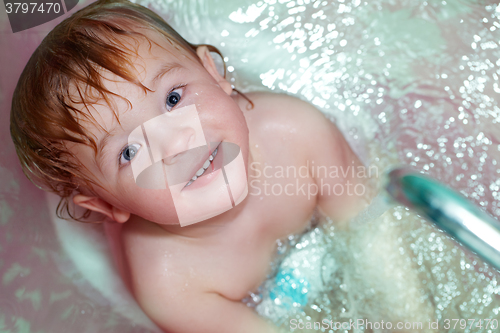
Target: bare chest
237, 260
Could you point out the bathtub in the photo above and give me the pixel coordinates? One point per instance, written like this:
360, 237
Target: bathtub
408, 83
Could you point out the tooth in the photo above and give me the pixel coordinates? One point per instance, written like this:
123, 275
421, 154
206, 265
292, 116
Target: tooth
206, 164
210, 158
215, 151
199, 172
189, 183
194, 178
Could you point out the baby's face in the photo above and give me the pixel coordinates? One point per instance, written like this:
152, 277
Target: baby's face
179, 154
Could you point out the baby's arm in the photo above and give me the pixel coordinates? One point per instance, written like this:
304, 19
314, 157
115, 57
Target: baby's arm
343, 189
196, 312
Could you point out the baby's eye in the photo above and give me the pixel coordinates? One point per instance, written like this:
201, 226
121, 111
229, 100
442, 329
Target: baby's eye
173, 98
128, 153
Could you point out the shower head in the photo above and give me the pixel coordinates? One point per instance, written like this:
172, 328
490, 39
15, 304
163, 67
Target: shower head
448, 210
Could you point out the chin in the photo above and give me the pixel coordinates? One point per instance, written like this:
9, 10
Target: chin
214, 193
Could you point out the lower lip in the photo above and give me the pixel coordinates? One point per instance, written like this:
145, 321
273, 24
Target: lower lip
206, 178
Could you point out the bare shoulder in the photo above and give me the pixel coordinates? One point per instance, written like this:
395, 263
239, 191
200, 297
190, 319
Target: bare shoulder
155, 257
161, 273
281, 108
284, 118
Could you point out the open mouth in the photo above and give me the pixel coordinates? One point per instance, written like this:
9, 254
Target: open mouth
204, 167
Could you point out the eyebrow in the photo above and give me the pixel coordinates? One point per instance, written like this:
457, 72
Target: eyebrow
100, 156
164, 69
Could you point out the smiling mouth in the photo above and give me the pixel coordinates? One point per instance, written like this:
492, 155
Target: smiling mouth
204, 167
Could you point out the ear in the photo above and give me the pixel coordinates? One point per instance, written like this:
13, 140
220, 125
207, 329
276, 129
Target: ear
100, 206
209, 64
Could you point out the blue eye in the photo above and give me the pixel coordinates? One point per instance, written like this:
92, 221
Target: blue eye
128, 153
173, 98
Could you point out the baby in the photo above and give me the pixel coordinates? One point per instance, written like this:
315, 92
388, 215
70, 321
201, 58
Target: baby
117, 113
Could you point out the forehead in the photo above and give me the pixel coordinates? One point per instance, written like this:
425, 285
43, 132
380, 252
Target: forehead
153, 49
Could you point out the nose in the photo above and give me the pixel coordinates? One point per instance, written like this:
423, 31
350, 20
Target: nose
179, 144
169, 138
170, 135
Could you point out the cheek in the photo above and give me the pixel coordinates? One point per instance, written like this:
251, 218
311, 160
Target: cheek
218, 110
153, 205
209, 97
221, 113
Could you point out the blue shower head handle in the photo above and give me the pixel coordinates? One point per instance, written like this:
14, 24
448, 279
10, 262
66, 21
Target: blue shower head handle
448, 210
